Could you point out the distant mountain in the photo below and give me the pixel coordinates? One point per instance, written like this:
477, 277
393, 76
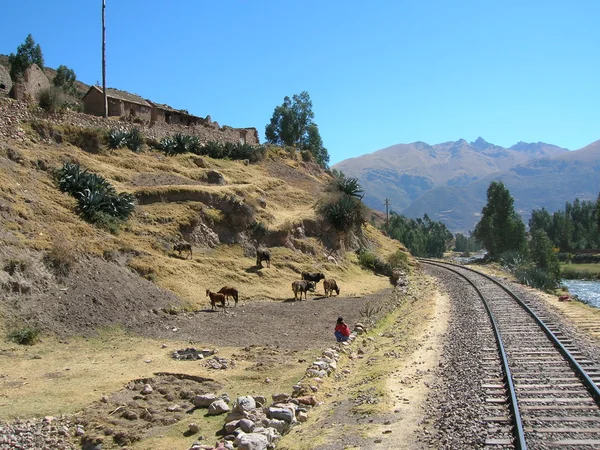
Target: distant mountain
449, 181
404, 173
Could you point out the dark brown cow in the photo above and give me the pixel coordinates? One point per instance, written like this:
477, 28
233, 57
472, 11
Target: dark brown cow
183, 247
330, 285
310, 276
263, 255
302, 286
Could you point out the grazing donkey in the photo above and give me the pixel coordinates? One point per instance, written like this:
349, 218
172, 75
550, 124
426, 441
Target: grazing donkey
216, 298
183, 247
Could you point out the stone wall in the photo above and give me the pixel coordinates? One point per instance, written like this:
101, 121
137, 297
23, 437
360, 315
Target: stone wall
5, 81
33, 82
14, 113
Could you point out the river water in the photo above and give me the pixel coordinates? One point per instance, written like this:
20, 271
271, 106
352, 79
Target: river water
586, 291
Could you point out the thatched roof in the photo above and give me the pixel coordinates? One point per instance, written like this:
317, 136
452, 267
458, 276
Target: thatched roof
168, 108
121, 95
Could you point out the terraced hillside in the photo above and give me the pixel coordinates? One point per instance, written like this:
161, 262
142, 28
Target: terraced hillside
112, 307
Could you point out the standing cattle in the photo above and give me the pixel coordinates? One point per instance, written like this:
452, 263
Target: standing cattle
228, 291
263, 255
216, 298
310, 276
330, 285
183, 247
302, 286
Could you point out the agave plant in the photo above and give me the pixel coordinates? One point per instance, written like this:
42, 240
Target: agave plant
91, 202
71, 178
117, 138
167, 145
135, 140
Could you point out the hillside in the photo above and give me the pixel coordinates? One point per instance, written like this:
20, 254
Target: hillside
111, 308
543, 182
448, 181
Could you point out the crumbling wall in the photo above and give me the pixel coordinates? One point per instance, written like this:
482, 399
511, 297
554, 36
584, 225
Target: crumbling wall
13, 113
34, 80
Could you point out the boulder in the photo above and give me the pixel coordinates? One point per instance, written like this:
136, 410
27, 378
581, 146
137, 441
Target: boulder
217, 407
204, 400
244, 403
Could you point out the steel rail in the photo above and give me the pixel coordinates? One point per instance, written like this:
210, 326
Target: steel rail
519, 434
579, 371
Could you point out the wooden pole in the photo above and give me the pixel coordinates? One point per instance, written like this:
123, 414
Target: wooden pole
387, 217
104, 59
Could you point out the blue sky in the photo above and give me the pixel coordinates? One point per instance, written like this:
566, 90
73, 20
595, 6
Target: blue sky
379, 73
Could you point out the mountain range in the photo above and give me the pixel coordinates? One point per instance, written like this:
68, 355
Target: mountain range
448, 181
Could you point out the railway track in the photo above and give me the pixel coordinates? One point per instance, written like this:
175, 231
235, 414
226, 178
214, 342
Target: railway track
540, 391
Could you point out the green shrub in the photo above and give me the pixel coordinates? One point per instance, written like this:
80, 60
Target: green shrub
399, 259
89, 139
535, 277
25, 336
259, 231
370, 261
512, 259
51, 99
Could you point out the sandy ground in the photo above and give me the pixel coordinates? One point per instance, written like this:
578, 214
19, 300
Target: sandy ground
408, 385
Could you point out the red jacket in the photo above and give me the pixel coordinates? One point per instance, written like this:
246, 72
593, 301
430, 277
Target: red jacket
343, 328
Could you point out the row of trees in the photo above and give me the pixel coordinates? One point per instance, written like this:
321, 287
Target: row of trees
533, 258
577, 227
423, 237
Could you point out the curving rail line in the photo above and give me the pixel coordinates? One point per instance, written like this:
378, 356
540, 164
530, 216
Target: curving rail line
553, 399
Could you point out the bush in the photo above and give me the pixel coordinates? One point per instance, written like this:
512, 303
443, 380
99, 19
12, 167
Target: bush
259, 231
535, 277
14, 265
61, 256
25, 336
51, 99
512, 259
399, 259
89, 139
370, 261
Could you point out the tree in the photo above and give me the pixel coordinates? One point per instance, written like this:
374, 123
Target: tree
65, 78
598, 213
292, 125
500, 228
542, 254
461, 243
28, 53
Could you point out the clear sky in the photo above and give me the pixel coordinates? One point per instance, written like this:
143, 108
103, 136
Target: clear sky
379, 73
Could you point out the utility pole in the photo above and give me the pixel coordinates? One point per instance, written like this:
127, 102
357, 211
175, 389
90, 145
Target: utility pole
104, 59
387, 217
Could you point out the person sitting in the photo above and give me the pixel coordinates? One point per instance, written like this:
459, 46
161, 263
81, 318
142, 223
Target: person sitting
342, 331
